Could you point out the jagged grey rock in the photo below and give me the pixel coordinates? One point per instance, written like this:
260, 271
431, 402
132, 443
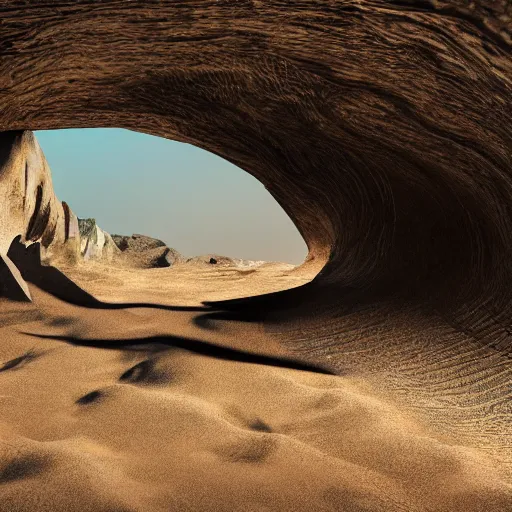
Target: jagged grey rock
95, 244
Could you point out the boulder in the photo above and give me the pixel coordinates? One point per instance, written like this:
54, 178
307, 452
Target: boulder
145, 252
137, 243
212, 259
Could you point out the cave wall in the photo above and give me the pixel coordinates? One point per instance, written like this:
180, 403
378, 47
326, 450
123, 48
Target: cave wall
381, 127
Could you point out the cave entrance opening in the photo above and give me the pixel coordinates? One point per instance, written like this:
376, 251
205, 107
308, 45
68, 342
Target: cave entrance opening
137, 201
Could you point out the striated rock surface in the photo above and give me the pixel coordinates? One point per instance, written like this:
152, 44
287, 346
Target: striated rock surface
30, 208
95, 244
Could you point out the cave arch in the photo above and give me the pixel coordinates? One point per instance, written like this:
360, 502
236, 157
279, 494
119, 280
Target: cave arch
389, 182
381, 127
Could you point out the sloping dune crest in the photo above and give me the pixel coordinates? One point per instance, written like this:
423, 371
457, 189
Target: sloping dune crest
383, 129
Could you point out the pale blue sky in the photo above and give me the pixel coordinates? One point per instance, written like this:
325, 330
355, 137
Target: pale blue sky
195, 201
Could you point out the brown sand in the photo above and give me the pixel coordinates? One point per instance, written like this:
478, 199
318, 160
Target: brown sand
382, 127
152, 427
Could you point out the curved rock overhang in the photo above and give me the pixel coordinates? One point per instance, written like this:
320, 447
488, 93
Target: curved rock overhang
383, 128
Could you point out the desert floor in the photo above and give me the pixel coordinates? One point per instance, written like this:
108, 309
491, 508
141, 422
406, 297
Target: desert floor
159, 407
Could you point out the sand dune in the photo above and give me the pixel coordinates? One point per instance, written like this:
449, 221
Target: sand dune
148, 425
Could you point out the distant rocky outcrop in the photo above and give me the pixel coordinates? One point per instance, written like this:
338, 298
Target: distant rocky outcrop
224, 261
95, 244
146, 252
212, 259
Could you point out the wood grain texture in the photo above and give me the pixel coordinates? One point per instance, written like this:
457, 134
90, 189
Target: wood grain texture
384, 130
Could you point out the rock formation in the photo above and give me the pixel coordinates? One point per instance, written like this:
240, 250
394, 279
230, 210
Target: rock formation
213, 259
146, 252
376, 125
29, 206
95, 244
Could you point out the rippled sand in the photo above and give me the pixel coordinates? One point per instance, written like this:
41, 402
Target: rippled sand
109, 410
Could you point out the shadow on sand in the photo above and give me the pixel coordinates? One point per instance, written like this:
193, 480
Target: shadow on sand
196, 346
54, 282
